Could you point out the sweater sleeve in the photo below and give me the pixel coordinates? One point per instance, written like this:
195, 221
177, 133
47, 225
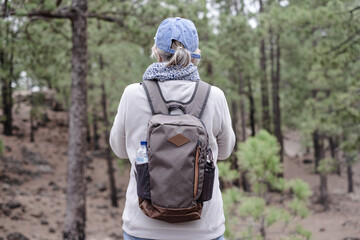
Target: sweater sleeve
226, 137
117, 134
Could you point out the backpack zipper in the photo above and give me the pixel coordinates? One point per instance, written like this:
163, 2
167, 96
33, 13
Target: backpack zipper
197, 158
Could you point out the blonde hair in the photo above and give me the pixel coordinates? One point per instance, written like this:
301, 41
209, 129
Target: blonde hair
181, 57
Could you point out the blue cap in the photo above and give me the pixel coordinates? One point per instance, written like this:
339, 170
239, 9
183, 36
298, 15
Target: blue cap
143, 142
180, 29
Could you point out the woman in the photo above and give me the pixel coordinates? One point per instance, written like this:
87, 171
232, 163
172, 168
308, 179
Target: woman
177, 53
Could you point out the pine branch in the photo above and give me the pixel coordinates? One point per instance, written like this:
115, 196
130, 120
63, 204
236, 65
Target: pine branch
55, 30
348, 40
69, 12
107, 18
354, 9
47, 14
63, 12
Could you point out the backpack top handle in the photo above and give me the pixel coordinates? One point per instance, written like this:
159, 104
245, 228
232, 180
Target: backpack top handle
195, 106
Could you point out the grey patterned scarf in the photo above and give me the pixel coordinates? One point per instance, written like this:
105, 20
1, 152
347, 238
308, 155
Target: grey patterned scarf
161, 72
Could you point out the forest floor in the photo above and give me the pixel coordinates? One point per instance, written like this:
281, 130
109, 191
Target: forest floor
33, 187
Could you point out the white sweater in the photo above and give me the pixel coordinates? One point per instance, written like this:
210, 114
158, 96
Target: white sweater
130, 127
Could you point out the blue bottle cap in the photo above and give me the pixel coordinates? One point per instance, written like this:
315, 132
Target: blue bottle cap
143, 143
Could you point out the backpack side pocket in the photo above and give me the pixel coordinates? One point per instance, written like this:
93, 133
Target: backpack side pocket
143, 180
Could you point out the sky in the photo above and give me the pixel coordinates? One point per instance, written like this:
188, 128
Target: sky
251, 6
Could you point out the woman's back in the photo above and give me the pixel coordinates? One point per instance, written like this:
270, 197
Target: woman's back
176, 48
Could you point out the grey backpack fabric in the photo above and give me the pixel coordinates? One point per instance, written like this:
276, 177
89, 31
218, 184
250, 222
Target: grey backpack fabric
177, 179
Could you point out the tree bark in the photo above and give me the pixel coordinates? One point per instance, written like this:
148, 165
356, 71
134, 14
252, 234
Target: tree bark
244, 181
319, 154
32, 127
333, 143
75, 221
276, 100
272, 58
88, 133
235, 119
252, 108
113, 194
95, 132
242, 107
235, 123
318, 149
5, 8
6, 89
262, 228
264, 84
349, 173
6, 92
324, 192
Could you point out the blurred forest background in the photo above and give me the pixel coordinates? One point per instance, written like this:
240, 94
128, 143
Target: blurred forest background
290, 71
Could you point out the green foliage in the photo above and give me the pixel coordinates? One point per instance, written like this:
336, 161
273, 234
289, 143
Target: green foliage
231, 197
225, 171
298, 208
319, 73
300, 189
259, 157
326, 165
252, 206
276, 214
299, 234
302, 232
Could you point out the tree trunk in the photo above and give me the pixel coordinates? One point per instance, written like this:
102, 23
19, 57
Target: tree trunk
235, 110
262, 228
75, 221
6, 89
324, 192
319, 154
6, 92
32, 127
350, 178
5, 9
349, 173
243, 178
318, 149
272, 58
113, 194
264, 84
333, 143
209, 69
95, 132
48, 83
88, 133
252, 108
235, 123
276, 100
235, 119
242, 107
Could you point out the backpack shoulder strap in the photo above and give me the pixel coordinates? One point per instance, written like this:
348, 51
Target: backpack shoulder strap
154, 96
198, 103
195, 106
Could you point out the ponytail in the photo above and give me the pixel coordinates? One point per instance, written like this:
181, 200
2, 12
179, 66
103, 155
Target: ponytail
181, 57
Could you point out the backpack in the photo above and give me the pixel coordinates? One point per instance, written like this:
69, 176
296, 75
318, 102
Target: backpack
179, 175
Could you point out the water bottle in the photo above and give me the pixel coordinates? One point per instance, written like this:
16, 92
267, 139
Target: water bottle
141, 154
